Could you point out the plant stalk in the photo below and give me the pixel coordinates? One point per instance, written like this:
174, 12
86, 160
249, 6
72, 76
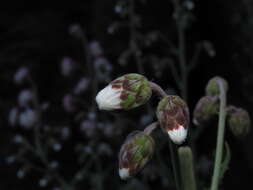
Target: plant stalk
220, 138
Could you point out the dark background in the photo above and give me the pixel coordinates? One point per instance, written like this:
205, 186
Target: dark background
37, 35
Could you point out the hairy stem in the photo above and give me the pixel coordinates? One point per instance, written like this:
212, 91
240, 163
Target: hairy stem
220, 137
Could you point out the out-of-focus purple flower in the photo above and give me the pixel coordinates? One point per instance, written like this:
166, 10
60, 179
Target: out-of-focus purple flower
54, 164
13, 116
28, 118
103, 69
68, 103
43, 182
88, 127
95, 49
21, 75
92, 115
145, 119
57, 147
65, 133
25, 97
67, 66
18, 139
75, 30
81, 86
104, 149
88, 149
20, 173
10, 159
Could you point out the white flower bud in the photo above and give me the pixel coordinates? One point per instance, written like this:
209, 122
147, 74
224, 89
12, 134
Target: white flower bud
21, 75
24, 97
178, 135
109, 98
28, 118
126, 92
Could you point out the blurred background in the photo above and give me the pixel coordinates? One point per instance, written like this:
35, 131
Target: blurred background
55, 57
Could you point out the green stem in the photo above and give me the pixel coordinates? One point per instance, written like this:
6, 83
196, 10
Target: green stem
174, 166
220, 138
187, 168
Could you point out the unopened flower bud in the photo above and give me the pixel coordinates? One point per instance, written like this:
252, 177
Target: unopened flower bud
239, 122
205, 109
134, 154
126, 92
213, 88
173, 116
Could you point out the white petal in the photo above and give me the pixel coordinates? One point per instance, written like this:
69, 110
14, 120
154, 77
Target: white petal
109, 98
124, 173
178, 135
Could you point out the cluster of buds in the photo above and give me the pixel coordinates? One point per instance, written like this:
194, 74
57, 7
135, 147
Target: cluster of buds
133, 90
208, 106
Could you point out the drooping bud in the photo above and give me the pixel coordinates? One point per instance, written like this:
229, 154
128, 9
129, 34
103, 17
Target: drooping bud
239, 121
212, 87
134, 154
173, 116
126, 92
205, 109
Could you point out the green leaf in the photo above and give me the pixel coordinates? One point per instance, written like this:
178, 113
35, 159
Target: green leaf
226, 160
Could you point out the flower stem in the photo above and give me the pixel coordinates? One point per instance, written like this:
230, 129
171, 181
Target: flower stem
174, 166
187, 168
148, 130
157, 89
220, 138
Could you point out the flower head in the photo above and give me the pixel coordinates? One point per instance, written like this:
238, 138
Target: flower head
206, 107
173, 116
239, 121
126, 92
212, 87
134, 154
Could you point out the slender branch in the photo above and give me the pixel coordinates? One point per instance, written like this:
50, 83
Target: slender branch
149, 129
181, 51
194, 61
220, 138
157, 89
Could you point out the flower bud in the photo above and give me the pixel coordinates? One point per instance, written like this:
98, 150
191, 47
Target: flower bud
212, 87
239, 122
173, 116
126, 92
206, 107
134, 154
